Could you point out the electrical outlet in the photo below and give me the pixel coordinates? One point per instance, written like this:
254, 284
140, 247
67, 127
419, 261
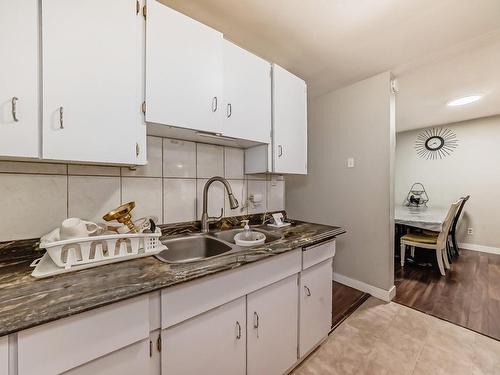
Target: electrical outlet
470, 231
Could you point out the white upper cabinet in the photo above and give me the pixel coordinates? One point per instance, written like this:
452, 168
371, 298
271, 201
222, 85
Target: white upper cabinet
19, 134
247, 95
91, 68
290, 122
4, 356
184, 67
288, 152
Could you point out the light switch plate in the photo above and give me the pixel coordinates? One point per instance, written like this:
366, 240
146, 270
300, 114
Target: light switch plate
350, 162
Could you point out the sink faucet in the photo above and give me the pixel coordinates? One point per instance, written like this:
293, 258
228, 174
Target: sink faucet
233, 202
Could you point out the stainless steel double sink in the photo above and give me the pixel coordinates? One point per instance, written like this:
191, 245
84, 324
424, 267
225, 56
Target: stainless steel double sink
195, 247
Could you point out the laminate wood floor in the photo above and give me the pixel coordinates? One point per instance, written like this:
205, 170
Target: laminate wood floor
469, 294
345, 301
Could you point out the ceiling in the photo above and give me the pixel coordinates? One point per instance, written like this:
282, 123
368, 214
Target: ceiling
333, 43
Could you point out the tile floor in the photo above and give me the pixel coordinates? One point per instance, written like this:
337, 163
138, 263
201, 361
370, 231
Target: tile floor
388, 338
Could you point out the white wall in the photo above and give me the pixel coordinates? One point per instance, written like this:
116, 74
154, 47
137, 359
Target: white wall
356, 121
474, 168
36, 197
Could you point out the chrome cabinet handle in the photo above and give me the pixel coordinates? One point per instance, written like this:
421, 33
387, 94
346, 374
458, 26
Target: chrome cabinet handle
238, 331
61, 118
255, 320
14, 108
214, 104
229, 110
308, 291
280, 151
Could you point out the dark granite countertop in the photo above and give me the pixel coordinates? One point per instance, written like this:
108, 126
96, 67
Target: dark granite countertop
27, 302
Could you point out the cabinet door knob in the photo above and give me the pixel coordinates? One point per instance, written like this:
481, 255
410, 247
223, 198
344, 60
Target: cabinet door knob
61, 118
280, 150
214, 104
238, 330
14, 108
308, 291
229, 110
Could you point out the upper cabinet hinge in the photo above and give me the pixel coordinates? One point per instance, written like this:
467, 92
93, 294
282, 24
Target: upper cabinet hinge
144, 11
137, 7
143, 108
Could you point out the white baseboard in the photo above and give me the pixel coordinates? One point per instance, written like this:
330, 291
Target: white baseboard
384, 295
481, 248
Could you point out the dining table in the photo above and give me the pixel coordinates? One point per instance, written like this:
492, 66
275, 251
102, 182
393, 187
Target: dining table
423, 217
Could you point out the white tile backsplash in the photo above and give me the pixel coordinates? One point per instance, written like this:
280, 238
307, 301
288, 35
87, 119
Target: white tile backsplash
209, 160
36, 196
179, 200
179, 158
147, 193
32, 205
90, 197
155, 162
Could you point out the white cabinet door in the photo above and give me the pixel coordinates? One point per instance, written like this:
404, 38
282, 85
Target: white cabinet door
4, 356
289, 122
183, 71
212, 343
247, 95
315, 305
272, 328
132, 360
91, 66
19, 134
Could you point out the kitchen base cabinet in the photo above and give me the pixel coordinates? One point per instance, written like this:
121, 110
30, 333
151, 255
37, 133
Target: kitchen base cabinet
272, 328
213, 343
315, 305
4, 355
131, 360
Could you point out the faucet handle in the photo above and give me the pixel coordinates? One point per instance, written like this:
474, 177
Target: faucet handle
217, 218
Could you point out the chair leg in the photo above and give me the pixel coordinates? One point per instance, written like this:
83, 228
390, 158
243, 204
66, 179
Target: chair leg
412, 251
439, 257
445, 259
403, 254
449, 255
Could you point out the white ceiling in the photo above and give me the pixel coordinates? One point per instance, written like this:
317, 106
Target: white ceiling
332, 43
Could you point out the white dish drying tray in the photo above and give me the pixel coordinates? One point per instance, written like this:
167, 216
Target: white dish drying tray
97, 250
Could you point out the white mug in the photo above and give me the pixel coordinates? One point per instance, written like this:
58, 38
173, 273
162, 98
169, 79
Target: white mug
77, 228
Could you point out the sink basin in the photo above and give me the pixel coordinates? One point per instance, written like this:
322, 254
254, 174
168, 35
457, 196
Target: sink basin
189, 249
228, 235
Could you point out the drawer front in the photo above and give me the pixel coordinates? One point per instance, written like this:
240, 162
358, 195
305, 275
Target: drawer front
4, 356
317, 254
65, 344
315, 305
193, 298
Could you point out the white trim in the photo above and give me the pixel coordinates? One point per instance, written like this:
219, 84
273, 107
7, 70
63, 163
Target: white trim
384, 295
484, 249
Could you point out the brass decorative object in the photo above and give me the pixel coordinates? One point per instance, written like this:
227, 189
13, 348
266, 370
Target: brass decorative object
123, 215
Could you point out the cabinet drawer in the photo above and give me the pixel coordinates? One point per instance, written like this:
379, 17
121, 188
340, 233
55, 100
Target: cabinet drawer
65, 344
193, 298
4, 356
317, 254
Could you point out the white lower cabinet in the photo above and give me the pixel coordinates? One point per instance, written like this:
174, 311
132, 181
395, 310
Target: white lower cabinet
315, 305
213, 343
131, 360
272, 328
4, 356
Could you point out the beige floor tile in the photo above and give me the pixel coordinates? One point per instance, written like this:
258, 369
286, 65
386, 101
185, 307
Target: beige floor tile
373, 317
486, 358
440, 362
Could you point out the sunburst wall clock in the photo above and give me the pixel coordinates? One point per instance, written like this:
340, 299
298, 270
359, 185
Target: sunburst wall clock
436, 143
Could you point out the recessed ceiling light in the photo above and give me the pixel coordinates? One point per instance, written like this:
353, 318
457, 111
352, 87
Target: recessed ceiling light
464, 100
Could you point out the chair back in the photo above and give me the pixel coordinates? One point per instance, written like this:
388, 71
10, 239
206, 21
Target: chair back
448, 221
459, 212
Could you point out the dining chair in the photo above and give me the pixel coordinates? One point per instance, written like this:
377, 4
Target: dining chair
436, 241
452, 236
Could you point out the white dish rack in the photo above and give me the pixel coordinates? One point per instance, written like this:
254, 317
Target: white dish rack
101, 249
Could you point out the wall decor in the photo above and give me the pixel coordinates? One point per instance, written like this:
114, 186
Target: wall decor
436, 143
